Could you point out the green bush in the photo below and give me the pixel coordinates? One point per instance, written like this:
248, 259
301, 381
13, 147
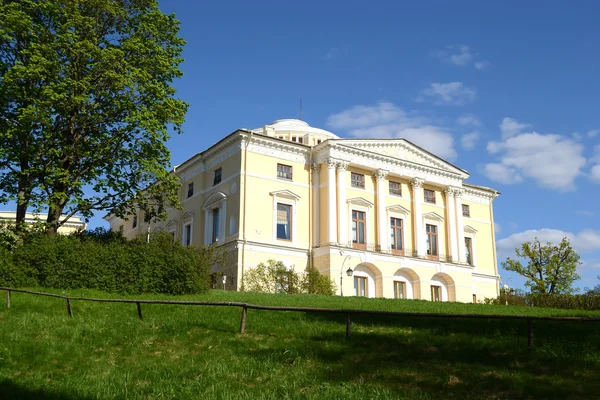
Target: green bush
588, 301
106, 261
274, 277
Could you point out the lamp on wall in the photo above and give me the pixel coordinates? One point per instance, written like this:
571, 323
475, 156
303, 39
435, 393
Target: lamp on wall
349, 272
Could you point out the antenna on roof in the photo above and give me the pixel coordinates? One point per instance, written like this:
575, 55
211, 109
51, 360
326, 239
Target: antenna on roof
300, 109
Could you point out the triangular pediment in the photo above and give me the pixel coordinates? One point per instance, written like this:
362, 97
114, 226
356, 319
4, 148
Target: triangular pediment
433, 216
187, 216
404, 150
172, 224
359, 201
397, 208
287, 194
470, 229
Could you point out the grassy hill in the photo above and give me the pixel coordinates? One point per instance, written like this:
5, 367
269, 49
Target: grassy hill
188, 352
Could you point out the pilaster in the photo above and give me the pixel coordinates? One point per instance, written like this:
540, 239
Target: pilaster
460, 226
417, 198
342, 167
451, 225
382, 238
331, 198
316, 172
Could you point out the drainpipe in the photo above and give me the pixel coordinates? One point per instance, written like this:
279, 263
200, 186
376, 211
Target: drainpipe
311, 210
494, 240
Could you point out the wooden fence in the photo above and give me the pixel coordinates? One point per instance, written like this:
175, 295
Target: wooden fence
348, 313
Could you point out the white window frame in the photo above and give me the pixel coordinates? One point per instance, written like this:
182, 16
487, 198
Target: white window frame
188, 220
370, 283
359, 204
435, 219
471, 232
215, 200
397, 211
289, 198
441, 283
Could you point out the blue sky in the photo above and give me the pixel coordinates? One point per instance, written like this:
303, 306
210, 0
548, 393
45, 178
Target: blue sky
506, 90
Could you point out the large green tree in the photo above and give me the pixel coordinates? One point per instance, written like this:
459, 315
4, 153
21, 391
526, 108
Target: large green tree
550, 268
86, 106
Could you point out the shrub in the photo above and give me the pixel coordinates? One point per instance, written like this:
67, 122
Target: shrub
106, 261
274, 277
588, 301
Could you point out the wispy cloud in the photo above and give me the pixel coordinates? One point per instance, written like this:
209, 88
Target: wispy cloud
469, 140
553, 161
451, 93
595, 170
386, 120
585, 213
468, 120
459, 55
588, 240
481, 65
593, 133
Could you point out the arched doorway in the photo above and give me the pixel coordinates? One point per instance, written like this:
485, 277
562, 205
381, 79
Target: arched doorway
367, 280
442, 287
409, 284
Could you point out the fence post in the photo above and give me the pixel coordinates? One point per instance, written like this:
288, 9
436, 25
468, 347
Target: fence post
530, 334
243, 320
139, 308
69, 307
8, 299
348, 325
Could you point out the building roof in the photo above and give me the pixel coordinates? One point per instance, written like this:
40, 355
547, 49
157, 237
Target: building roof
295, 125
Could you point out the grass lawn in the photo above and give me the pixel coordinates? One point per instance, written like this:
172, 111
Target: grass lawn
188, 352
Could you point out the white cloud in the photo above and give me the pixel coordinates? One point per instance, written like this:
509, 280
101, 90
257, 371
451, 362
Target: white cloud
497, 227
577, 136
451, 93
593, 133
587, 240
457, 55
469, 140
553, 161
386, 120
586, 213
481, 65
595, 173
510, 127
468, 120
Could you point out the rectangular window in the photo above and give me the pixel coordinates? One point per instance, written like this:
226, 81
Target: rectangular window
358, 229
466, 210
399, 290
294, 138
395, 188
429, 196
284, 221
134, 221
318, 141
187, 238
469, 250
432, 240
396, 235
360, 286
215, 225
217, 178
358, 180
120, 228
190, 189
284, 172
300, 140
436, 293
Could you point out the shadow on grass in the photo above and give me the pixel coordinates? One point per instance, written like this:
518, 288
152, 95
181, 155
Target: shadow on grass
10, 390
435, 358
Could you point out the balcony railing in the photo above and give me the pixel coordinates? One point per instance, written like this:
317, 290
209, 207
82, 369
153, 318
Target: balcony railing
401, 253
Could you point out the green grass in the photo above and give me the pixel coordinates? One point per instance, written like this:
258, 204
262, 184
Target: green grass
188, 352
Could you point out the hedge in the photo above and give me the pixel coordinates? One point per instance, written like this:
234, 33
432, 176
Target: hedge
106, 261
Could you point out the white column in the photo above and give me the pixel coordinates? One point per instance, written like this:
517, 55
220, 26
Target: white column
460, 227
417, 197
342, 206
382, 228
451, 225
316, 171
331, 209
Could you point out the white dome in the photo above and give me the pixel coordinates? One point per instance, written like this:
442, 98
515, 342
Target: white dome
297, 126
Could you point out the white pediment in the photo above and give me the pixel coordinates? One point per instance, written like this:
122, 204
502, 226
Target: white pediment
470, 229
287, 194
187, 216
213, 200
433, 216
397, 208
359, 201
404, 150
171, 225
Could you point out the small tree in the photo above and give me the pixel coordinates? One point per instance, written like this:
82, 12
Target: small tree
550, 268
272, 277
316, 283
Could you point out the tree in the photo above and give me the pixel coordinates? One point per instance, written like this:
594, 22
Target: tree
86, 103
550, 268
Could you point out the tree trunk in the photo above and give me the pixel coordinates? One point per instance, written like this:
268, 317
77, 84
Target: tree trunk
53, 220
23, 196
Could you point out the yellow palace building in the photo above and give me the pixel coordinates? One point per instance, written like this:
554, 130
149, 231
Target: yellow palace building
380, 217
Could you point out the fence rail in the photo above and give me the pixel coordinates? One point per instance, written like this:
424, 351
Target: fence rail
347, 312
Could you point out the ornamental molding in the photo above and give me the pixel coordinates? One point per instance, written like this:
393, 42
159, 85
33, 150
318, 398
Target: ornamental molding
342, 166
213, 200
316, 167
279, 149
417, 183
470, 229
359, 201
397, 167
478, 196
433, 216
187, 216
287, 194
380, 174
397, 208
210, 158
171, 225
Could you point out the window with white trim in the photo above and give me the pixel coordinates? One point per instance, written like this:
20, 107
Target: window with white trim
469, 250
395, 188
190, 192
215, 225
284, 221
284, 171
218, 175
360, 286
187, 234
357, 180
399, 290
396, 235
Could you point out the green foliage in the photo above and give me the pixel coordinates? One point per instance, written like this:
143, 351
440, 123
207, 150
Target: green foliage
274, 277
104, 260
314, 282
86, 104
550, 268
589, 301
